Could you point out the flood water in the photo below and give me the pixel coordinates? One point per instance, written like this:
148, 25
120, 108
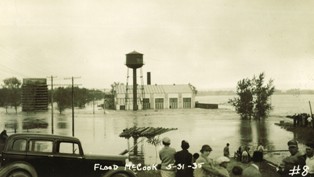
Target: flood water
99, 132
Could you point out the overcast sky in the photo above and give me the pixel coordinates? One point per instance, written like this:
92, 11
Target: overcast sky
211, 44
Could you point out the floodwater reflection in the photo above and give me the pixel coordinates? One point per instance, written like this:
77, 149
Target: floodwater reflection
254, 132
99, 132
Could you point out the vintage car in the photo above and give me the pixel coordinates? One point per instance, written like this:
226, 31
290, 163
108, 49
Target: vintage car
39, 155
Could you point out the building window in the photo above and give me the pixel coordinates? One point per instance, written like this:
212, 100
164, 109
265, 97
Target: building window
187, 103
146, 104
159, 103
173, 103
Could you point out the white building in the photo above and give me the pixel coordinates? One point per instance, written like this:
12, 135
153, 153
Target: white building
155, 97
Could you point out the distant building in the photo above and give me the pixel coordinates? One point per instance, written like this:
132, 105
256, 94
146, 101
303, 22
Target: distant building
155, 97
34, 94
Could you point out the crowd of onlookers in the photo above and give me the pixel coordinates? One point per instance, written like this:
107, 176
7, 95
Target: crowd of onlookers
183, 164
302, 120
243, 154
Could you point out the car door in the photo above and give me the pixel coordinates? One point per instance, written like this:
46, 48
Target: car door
69, 159
16, 151
40, 156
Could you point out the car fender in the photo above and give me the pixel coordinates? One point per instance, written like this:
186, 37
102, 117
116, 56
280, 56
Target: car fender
19, 165
120, 170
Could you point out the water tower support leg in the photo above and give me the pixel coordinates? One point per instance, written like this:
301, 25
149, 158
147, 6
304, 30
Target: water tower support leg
134, 90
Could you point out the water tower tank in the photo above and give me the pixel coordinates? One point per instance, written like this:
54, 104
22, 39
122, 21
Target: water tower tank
134, 60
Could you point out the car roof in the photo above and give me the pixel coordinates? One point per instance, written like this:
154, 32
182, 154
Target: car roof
42, 136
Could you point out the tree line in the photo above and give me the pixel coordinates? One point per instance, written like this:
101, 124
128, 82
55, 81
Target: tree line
11, 96
252, 99
81, 96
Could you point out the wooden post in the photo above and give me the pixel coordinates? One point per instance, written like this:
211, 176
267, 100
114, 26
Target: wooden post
72, 106
72, 78
311, 108
52, 124
311, 123
129, 148
135, 149
93, 101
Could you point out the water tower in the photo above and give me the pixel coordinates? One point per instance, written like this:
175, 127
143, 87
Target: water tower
134, 60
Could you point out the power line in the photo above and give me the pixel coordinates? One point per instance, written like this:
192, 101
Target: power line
10, 71
32, 65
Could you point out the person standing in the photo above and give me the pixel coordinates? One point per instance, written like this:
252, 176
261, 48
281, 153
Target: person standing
260, 152
4, 135
246, 155
183, 161
226, 150
309, 121
309, 161
3, 138
204, 165
239, 154
253, 169
166, 155
295, 160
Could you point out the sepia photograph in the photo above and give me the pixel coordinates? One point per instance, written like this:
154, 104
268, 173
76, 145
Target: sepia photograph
156, 88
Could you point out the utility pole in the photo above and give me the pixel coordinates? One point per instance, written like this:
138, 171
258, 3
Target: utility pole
310, 108
93, 101
105, 101
51, 102
72, 78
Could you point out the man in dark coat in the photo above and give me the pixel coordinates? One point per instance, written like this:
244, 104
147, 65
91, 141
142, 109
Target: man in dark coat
183, 161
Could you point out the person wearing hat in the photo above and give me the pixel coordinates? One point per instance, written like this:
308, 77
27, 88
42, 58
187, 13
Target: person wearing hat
293, 161
253, 169
204, 165
222, 163
309, 162
183, 161
166, 155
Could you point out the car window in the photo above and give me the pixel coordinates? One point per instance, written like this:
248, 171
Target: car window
19, 145
40, 146
69, 148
